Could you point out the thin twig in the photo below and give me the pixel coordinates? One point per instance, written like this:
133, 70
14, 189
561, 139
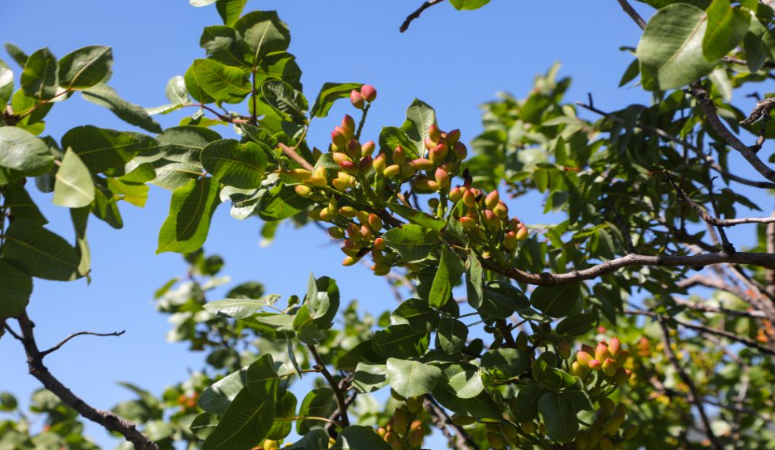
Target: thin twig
107, 419
690, 384
461, 440
416, 14
334, 385
80, 333
633, 14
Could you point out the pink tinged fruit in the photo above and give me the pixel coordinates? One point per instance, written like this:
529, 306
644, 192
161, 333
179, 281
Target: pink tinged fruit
601, 351
392, 171
368, 148
492, 200
354, 149
399, 155
501, 210
609, 367
467, 222
595, 365
366, 164
460, 150
339, 137
510, 241
348, 166
522, 233
348, 124
453, 137
379, 244
429, 144
369, 92
357, 99
380, 163
456, 194
583, 358
350, 260
442, 177
423, 164
469, 198
614, 347
339, 157
375, 222
434, 133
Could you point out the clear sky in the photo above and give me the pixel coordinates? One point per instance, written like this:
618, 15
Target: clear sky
453, 60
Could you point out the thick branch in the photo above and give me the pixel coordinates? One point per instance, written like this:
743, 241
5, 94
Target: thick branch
749, 153
461, 439
695, 261
342, 405
107, 419
686, 144
416, 14
692, 388
291, 153
632, 13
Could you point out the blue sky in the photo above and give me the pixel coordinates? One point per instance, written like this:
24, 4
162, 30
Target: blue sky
452, 60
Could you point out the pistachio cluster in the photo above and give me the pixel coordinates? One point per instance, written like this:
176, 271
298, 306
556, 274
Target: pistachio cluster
405, 430
606, 358
606, 432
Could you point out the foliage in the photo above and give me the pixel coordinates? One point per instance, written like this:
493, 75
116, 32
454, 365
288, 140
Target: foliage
581, 331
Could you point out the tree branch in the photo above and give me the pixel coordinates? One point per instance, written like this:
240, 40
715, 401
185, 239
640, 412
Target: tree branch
632, 13
461, 439
334, 385
766, 260
80, 333
107, 419
692, 388
749, 153
416, 14
686, 144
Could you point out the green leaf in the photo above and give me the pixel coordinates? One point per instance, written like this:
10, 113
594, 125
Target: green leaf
726, 28
245, 424
556, 301
400, 341
501, 299
104, 95
281, 203
576, 324
24, 152
188, 223
558, 416
230, 10
221, 82
392, 137
285, 99
357, 437
184, 144
285, 412
21, 205
85, 67
264, 33
526, 405
329, 94
317, 403
203, 425
670, 50
102, 149
6, 84
419, 118
17, 54
176, 91
577, 395
412, 242
452, 335
416, 313
74, 187
39, 79
235, 164
305, 327
200, 3
194, 88
468, 4
316, 439
236, 308
480, 407
43, 253
217, 398
369, 377
413, 215
447, 276
474, 281
505, 363
323, 301
15, 288
412, 378
263, 380
465, 380
80, 219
